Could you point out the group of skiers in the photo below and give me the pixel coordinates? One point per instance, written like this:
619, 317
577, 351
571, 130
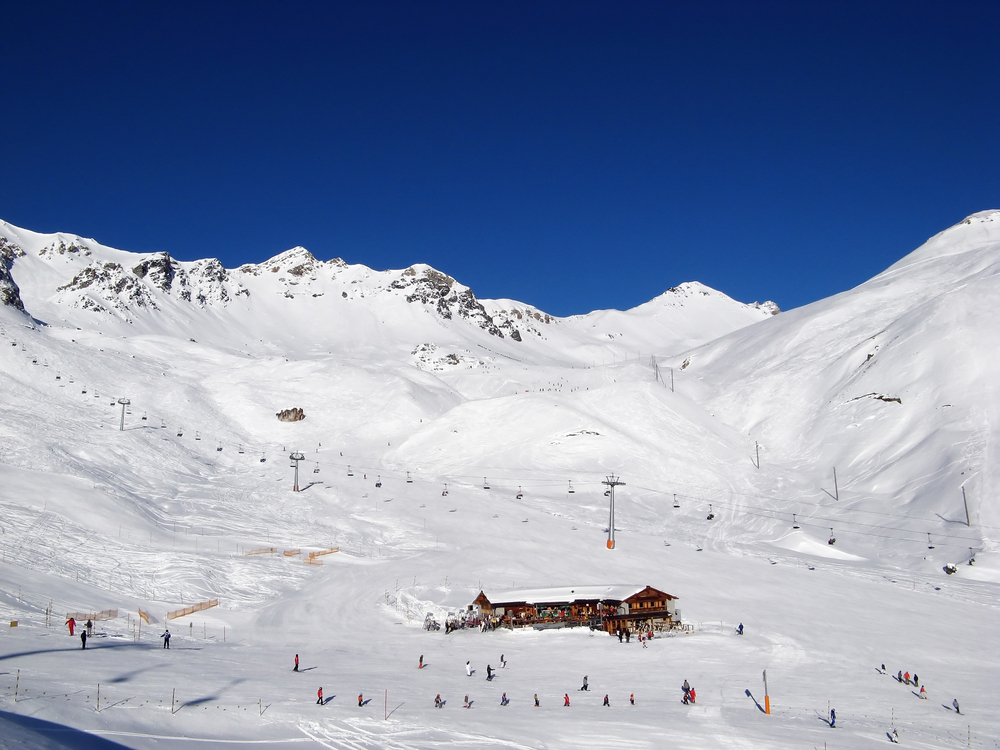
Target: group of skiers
905, 678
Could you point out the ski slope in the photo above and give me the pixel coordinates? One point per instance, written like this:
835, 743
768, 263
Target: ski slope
410, 382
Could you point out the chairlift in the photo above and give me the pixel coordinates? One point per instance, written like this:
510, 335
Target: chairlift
349, 472
197, 435
409, 479
84, 389
607, 493
444, 492
519, 493
34, 360
112, 403
571, 490
144, 417
219, 449
972, 557
832, 540
262, 458
486, 485
676, 504
929, 545
379, 482
795, 524
241, 448
711, 515
316, 470
180, 432
58, 377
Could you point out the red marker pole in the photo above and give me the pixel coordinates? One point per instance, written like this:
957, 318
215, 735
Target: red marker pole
767, 698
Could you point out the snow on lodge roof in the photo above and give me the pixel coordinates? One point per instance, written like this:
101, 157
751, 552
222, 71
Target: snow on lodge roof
566, 594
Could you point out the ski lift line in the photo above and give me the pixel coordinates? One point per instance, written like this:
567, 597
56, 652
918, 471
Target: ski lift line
777, 513
825, 524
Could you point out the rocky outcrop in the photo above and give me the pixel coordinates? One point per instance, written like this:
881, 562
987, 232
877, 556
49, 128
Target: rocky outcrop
432, 287
291, 415
10, 294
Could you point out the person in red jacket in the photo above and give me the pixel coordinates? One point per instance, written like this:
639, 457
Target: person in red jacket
72, 625
296, 667
566, 699
319, 696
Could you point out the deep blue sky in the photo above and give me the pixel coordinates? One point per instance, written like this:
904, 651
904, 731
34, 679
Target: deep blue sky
571, 155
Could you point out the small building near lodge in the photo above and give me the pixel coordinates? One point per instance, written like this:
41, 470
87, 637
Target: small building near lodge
607, 608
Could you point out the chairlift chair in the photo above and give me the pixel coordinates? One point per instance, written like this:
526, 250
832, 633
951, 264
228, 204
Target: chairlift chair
241, 448
676, 504
607, 493
571, 490
197, 435
929, 545
349, 472
84, 389
711, 515
180, 432
262, 458
519, 493
486, 485
444, 492
58, 377
379, 482
144, 417
219, 449
832, 540
795, 524
409, 479
316, 470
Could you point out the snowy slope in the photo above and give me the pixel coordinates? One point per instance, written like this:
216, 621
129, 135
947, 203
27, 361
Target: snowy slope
490, 453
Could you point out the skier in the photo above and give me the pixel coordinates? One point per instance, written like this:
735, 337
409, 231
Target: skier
619, 631
319, 697
90, 627
693, 695
361, 699
906, 678
536, 700
899, 676
83, 639
566, 700
739, 630
916, 680
955, 704
437, 701
468, 668
628, 635
421, 664
296, 667
631, 698
883, 669
833, 717
166, 639
585, 685
489, 672
923, 693
503, 700
72, 625
893, 736
686, 687
606, 701
467, 704
503, 662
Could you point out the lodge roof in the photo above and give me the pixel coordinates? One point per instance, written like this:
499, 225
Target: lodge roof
569, 594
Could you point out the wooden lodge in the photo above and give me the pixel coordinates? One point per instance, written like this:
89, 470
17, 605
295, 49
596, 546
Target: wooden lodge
605, 608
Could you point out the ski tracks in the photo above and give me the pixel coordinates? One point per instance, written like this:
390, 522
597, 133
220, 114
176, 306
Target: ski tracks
344, 735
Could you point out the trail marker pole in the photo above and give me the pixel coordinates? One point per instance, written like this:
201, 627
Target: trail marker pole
836, 488
767, 698
98, 697
965, 501
173, 694
756, 447
671, 379
17, 683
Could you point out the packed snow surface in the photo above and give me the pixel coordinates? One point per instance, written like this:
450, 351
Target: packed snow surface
845, 451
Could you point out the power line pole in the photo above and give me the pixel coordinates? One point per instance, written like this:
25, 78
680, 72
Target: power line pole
612, 482
124, 402
295, 457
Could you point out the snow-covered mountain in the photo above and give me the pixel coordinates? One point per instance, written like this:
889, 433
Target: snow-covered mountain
452, 444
